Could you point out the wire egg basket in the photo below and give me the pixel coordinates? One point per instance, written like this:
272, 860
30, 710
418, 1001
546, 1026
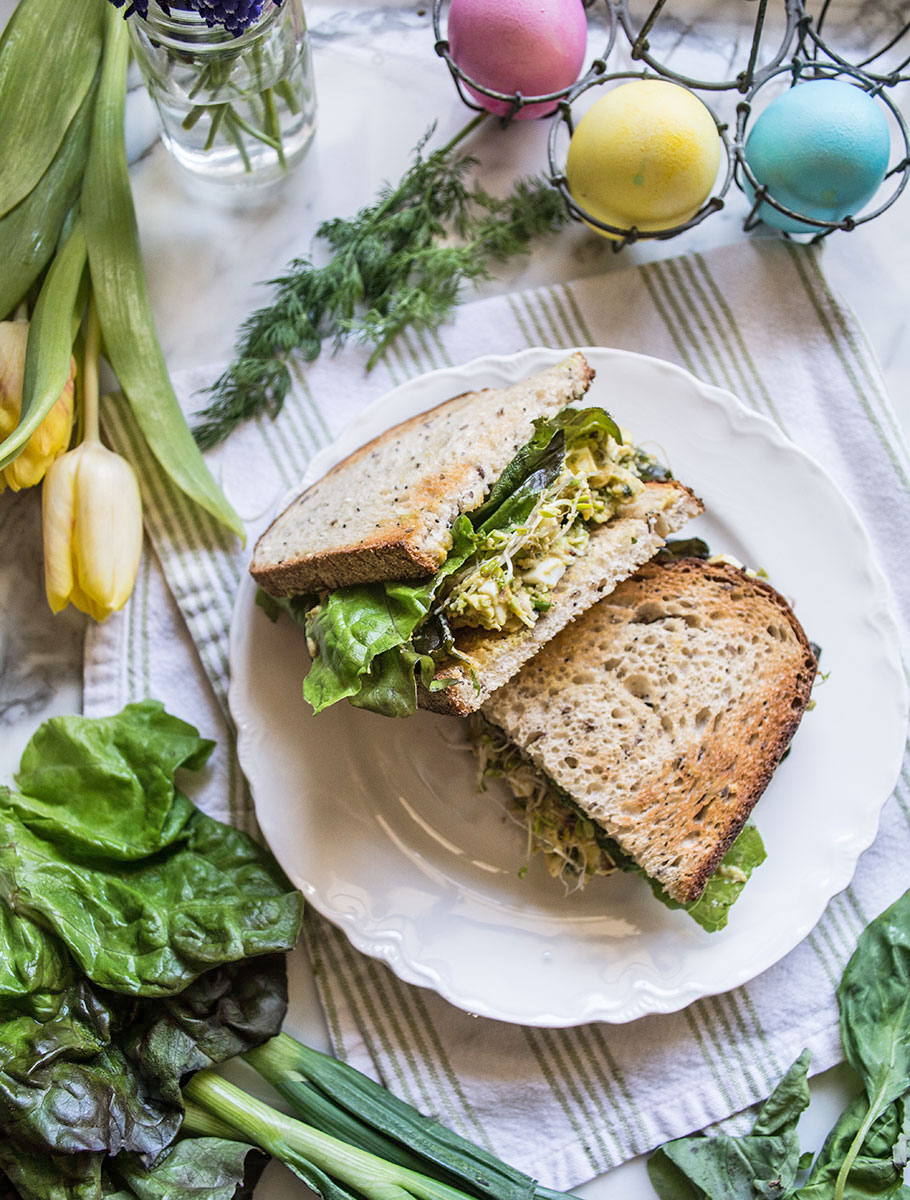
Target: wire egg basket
801, 50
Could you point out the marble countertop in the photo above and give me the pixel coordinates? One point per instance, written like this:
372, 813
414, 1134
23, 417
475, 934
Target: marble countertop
379, 86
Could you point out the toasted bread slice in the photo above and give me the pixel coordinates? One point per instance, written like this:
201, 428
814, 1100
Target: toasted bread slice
386, 511
615, 550
664, 710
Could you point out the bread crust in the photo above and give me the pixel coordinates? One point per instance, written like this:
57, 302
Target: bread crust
385, 511
665, 710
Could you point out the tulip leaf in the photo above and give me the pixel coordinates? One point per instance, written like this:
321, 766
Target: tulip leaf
29, 233
50, 343
35, 111
121, 292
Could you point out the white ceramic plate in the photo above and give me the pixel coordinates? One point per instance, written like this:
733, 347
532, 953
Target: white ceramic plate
379, 823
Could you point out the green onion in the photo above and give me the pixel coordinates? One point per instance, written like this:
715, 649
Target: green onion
121, 291
279, 1062
289, 1067
36, 108
322, 1161
355, 1139
199, 1122
50, 343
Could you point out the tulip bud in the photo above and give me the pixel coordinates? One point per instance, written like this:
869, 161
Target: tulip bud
52, 436
92, 514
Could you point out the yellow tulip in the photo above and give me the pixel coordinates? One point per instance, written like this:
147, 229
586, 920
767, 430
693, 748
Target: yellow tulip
92, 514
52, 436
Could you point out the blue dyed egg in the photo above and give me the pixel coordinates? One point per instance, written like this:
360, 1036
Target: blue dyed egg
822, 149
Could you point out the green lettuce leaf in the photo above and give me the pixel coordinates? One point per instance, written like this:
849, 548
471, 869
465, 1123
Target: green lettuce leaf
712, 908
357, 625
38, 1176
223, 1013
103, 1075
35, 971
194, 1168
65, 1087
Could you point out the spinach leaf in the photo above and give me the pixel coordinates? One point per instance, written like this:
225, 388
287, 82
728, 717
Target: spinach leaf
877, 1170
107, 785
356, 625
65, 1087
37, 1176
865, 1155
149, 927
712, 908
676, 548
34, 969
763, 1163
874, 999
542, 454
195, 1168
515, 508
104, 1075
128, 925
203, 1168
221, 1014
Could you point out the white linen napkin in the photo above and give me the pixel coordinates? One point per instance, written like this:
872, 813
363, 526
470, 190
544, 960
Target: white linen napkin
756, 318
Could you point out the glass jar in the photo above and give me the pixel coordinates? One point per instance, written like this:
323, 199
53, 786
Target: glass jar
235, 110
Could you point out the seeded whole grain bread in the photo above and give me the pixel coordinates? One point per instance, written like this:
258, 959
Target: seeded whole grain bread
385, 511
664, 711
615, 550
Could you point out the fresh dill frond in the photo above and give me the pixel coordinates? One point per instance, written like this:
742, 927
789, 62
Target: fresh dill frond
399, 263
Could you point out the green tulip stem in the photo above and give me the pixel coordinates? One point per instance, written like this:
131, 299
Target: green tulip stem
90, 376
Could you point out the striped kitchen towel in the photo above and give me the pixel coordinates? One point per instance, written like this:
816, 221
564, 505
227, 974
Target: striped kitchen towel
756, 318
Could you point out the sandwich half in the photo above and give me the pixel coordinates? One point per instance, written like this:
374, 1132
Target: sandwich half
642, 736
450, 548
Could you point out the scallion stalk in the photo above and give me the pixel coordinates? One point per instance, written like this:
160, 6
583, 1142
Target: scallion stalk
308, 1151
199, 1122
278, 1062
342, 1101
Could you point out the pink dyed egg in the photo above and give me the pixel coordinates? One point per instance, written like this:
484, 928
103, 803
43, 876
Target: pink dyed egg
530, 46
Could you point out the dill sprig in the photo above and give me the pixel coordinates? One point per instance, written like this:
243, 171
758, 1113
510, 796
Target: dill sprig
399, 263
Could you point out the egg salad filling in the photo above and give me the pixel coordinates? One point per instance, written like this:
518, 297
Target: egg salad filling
574, 848
507, 583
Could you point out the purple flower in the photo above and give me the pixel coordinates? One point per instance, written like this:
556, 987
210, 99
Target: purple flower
234, 15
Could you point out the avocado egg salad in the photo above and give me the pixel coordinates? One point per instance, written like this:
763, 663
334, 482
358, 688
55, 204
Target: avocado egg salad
577, 848
370, 642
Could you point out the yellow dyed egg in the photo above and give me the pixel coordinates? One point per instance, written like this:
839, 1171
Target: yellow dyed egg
645, 154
